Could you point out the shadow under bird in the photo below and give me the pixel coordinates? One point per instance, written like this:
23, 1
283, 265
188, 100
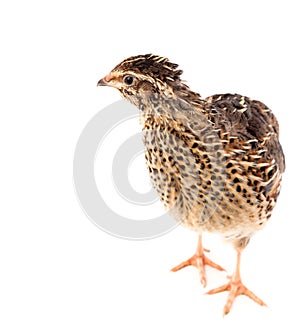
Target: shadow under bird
216, 163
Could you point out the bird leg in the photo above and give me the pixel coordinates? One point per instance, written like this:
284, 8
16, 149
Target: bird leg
236, 288
199, 260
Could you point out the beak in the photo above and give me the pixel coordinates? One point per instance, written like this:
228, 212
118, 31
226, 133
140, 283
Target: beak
105, 81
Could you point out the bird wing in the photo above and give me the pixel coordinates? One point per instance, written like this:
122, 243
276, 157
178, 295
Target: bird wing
247, 124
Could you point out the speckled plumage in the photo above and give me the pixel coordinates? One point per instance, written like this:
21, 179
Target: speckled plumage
216, 163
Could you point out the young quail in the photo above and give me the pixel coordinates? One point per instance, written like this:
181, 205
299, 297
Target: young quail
216, 163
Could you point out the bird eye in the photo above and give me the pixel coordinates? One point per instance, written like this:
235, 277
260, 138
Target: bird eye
128, 80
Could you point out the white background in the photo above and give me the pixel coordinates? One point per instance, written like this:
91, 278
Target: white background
60, 272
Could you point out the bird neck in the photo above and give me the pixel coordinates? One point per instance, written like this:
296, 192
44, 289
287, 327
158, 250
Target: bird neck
180, 105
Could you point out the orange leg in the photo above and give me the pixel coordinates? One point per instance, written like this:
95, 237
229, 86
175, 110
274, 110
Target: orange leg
199, 260
236, 288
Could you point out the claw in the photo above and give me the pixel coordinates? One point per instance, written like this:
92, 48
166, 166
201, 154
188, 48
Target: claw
235, 289
199, 261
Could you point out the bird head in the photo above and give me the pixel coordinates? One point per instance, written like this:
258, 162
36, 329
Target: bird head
142, 75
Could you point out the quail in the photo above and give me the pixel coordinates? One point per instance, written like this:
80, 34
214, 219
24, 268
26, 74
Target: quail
216, 162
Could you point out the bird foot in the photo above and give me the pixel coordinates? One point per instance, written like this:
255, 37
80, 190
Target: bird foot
199, 261
235, 288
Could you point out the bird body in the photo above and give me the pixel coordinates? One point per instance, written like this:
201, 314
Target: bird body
218, 167
216, 163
